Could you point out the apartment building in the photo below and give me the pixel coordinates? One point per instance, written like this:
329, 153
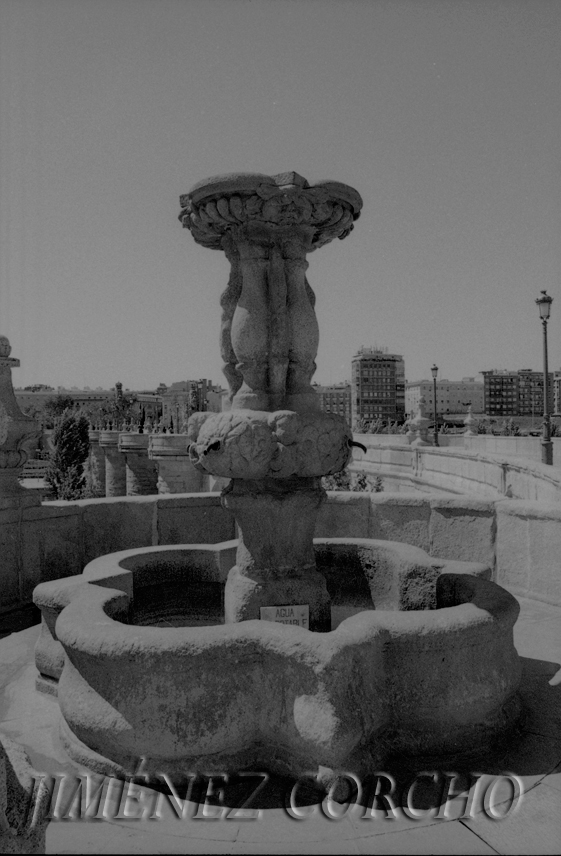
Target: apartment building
451, 396
335, 399
377, 385
516, 393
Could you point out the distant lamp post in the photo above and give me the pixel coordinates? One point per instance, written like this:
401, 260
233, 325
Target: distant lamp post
201, 400
434, 371
544, 305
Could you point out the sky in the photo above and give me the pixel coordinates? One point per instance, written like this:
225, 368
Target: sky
443, 114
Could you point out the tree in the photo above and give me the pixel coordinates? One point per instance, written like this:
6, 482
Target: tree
65, 475
57, 404
39, 387
357, 482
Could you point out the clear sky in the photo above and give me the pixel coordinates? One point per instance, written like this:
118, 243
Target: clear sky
445, 115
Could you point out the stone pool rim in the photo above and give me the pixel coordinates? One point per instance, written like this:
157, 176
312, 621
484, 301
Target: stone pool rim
421, 681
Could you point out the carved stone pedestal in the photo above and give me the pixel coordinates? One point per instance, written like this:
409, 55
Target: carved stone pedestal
275, 564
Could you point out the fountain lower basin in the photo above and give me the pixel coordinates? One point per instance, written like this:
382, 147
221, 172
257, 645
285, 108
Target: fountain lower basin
428, 668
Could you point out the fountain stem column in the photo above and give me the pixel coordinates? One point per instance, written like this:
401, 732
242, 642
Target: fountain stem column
275, 562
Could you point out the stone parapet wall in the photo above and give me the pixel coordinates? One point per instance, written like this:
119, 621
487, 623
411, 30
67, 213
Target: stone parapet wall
525, 447
521, 540
57, 539
485, 444
458, 471
528, 547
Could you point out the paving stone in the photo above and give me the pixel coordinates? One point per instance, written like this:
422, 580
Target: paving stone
302, 847
280, 827
446, 838
533, 637
554, 779
534, 754
541, 695
534, 828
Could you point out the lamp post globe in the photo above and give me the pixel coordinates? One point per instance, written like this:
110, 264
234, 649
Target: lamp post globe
434, 372
544, 305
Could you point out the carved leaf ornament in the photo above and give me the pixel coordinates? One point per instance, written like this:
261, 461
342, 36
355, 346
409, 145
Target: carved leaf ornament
329, 209
249, 444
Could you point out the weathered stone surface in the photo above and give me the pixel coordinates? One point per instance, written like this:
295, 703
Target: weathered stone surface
126, 523
140, 471
275, 563
463, 529
176, 473
344, 515
52, 544
96, 464
115, 468
394, 576
528, 548
280, 445
361, 572
266, 227
401, 518
18, 433
282, 697
194, 519
23, 802
10, 550
90, 528
51, 598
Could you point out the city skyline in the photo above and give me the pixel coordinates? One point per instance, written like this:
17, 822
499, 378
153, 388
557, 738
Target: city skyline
444, 116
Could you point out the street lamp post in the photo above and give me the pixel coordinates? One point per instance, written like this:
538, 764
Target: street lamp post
434, 371
544, 305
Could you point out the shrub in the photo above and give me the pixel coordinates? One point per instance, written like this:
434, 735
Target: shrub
65, 475
348, 481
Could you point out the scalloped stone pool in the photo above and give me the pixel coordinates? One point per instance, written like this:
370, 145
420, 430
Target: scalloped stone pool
420, 660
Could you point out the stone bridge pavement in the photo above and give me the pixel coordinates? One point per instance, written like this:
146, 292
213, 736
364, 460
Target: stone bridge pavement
532, 825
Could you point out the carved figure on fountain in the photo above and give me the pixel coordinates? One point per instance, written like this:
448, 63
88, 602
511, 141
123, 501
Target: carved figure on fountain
266, 225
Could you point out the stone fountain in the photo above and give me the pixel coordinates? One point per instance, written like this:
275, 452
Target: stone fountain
274, 443
145, 660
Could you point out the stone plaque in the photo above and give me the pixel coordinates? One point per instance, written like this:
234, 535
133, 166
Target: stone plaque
298, 615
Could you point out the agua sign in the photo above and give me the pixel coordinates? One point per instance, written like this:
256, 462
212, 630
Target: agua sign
299, 615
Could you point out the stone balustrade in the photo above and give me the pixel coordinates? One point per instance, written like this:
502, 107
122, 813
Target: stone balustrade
96, 463
140, 472
456, 470
176, 473
115, 470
